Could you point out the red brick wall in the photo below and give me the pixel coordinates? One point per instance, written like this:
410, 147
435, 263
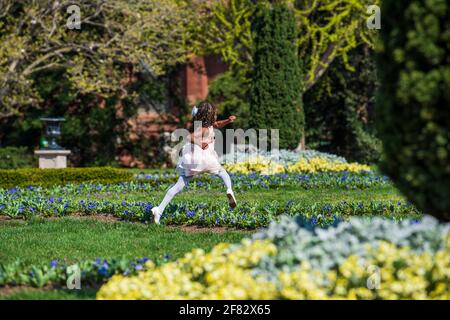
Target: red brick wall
197, 74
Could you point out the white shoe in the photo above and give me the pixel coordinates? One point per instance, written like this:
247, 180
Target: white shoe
231, 199
156, 214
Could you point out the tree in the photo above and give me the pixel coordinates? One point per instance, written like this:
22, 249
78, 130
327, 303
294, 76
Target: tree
327, 30
413, 102
275, 95
115, 38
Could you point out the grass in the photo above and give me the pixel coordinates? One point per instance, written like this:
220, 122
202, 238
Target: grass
40, 240
54, 294
328, 195
73, 239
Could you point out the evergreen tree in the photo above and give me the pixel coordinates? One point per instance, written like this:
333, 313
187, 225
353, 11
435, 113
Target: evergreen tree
275, 94
413, 102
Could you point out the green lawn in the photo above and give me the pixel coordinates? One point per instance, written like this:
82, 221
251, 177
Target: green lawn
40, 240
54, 294
71, 239
326, 195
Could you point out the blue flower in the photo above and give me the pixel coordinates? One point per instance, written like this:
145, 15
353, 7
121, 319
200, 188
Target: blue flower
51, 200
103, 271
12, 191
190, 213
139, 267
54, 264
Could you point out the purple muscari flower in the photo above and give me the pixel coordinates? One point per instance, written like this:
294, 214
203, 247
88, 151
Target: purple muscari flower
54, 264
103, 271
124, 203
91, 205
98, 261
143, 260
21, 209
139, 267
360, 205
2, 206
190, 213
51, 200
30, 188
32, 209
12, 191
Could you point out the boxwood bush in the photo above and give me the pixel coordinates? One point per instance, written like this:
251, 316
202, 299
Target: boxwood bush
413, 102
49, 177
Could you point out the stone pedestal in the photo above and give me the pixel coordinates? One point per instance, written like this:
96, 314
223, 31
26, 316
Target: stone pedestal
52, 159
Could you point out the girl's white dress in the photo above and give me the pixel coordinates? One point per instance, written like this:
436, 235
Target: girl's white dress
195, 160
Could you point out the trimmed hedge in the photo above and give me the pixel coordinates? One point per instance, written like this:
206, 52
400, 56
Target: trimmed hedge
49, 177
413, 103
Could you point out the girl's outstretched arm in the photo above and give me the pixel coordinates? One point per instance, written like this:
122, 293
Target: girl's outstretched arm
223, 123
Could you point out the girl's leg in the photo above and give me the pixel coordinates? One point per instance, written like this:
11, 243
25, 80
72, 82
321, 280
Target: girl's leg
173, 191
176, 188
223, 174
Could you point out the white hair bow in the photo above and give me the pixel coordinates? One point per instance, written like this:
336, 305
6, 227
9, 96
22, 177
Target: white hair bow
194, 111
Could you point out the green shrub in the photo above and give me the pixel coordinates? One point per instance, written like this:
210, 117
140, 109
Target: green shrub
275, 94
49, 177
339, 110
413, 102
16, 157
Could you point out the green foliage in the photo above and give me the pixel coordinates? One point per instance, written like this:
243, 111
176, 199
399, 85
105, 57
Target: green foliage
229, 91
339, 110
114, 38
328, 30
50, 177
413, 103
16, 157
275, 94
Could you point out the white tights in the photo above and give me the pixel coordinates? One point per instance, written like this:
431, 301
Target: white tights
184, 181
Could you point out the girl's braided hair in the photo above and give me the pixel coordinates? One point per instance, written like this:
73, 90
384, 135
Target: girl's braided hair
206, 113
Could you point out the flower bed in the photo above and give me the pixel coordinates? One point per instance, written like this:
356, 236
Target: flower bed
399, 261
252, 214
262, 165
92, 272
283, 157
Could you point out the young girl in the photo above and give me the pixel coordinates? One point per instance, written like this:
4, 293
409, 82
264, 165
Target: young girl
198, 155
